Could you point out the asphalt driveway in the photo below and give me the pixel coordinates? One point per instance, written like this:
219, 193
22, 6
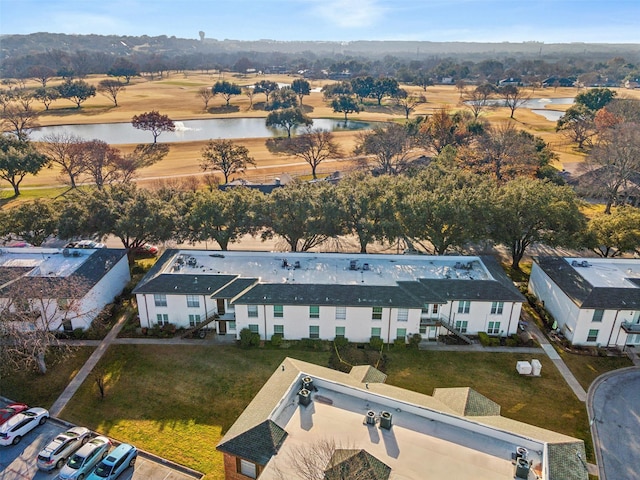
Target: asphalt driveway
614, 412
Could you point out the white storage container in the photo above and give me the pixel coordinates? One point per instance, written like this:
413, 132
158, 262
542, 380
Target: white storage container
523, 368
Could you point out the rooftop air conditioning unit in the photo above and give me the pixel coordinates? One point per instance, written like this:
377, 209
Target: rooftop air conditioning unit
575, 263
385, 420
522, 452
522, 468
353, 265
304, 397
370, 418
307, 383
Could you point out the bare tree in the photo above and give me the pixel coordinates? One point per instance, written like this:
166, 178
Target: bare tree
479, 99
32, 311
326, 459
103, 162
513, 97
313, 145
408, 102
205, 94
63, 150
249, 92
111, 89
17, 114
391, 146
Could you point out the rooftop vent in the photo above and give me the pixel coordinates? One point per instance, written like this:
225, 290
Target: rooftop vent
365, 266
522, 468
304, 397
385, 420
353, 265
307, 383
370, 418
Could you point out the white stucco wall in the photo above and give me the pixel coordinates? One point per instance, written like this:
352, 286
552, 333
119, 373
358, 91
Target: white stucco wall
177, 309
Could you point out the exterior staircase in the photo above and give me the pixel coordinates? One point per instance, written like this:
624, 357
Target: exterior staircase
449, 326
189, 332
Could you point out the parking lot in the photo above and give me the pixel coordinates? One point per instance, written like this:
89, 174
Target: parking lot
18, 462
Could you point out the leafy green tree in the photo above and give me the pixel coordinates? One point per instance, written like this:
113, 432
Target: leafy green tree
124, 67
314, 146
154, 122
578, 125
384, 87
281, 99
19, 158
303, 214
226, 156
301, 87
111, 89
46, 95
442, 209
77, 91
224, 215
33, 222
362, 87
345, 104
366, 208
226, 90
527, 210
267, 87
288, 119
339, 89
595, 98
611, 235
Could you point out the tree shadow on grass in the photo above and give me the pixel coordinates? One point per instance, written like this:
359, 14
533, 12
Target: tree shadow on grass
67, 111
225, 109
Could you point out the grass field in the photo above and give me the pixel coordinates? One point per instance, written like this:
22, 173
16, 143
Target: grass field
177, 97
177, 401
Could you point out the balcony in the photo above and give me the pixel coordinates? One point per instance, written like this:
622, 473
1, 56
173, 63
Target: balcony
630, 327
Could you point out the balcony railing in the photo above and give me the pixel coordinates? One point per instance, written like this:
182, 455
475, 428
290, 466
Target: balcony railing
630, 327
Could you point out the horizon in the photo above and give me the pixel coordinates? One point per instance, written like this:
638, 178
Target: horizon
465, 21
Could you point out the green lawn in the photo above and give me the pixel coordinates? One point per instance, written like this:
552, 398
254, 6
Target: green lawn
42, 390
177, 401
587, 368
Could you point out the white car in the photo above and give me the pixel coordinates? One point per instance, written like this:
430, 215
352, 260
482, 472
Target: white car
19, 425
82, 462
55, 454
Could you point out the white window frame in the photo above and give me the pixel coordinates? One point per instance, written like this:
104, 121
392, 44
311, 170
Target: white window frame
379, 334
341, 313
497, 308
162, 319
375, 313
493, 328
316, 333
314, 311
193, 301
278, 327
403, 314
344, 332
194, 320
160, 299
279, 313
252, 311
462, 325
464, 307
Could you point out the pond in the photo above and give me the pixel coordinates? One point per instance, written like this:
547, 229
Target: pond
539, 106
188, 130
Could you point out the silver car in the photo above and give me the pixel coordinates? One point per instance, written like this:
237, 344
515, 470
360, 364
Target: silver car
83, 461
60, 448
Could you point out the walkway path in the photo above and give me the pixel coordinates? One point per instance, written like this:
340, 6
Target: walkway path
84, 372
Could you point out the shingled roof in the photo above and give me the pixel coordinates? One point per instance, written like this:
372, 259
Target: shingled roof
257, 444
466, 401
583, 293
347, 463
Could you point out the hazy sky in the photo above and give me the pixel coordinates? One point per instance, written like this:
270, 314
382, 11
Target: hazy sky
601, 21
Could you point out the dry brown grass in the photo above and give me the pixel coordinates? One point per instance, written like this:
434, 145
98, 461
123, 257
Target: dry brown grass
177, 97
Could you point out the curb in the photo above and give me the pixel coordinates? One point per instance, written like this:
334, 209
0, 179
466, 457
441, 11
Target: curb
592, 417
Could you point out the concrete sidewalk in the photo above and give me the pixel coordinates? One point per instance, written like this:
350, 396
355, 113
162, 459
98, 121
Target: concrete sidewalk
84, 372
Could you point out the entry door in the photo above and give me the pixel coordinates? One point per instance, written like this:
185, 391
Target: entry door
222, 327
220, 302
433, 333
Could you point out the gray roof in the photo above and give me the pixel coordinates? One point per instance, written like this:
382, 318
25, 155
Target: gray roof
466, 401
184, 284
567, 461
323, 294
76, 285
358, 464
257, 444
583, 293
236, 287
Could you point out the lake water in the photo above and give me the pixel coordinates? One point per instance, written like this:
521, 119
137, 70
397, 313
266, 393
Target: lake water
188, 130
539, 106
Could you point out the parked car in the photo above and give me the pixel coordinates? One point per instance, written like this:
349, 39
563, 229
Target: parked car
55, 454
85, 244
82, 462
146, 250
10, 410
123, 457
12, 431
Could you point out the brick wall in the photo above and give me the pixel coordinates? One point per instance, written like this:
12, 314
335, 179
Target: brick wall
231, 468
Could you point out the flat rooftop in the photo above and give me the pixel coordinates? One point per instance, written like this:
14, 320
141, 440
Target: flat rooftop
329, 268
607, 272
422, 443
44, 262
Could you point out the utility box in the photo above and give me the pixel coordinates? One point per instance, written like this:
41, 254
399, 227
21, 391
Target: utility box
523, 368
536, 367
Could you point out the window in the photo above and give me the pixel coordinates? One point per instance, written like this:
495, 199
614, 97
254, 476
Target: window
341, 313
496, 308
461, 326
193, 301
435, 308
278, 311
401, 333
246, 468
231, 325
278, 330
597, 315
314, 331
252, 311
160, 299
377, 313
376, 331
254, 328
194, 320
494, 328
593, 335
403, 314
314, 311
340, 331
464, 306
162, 318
